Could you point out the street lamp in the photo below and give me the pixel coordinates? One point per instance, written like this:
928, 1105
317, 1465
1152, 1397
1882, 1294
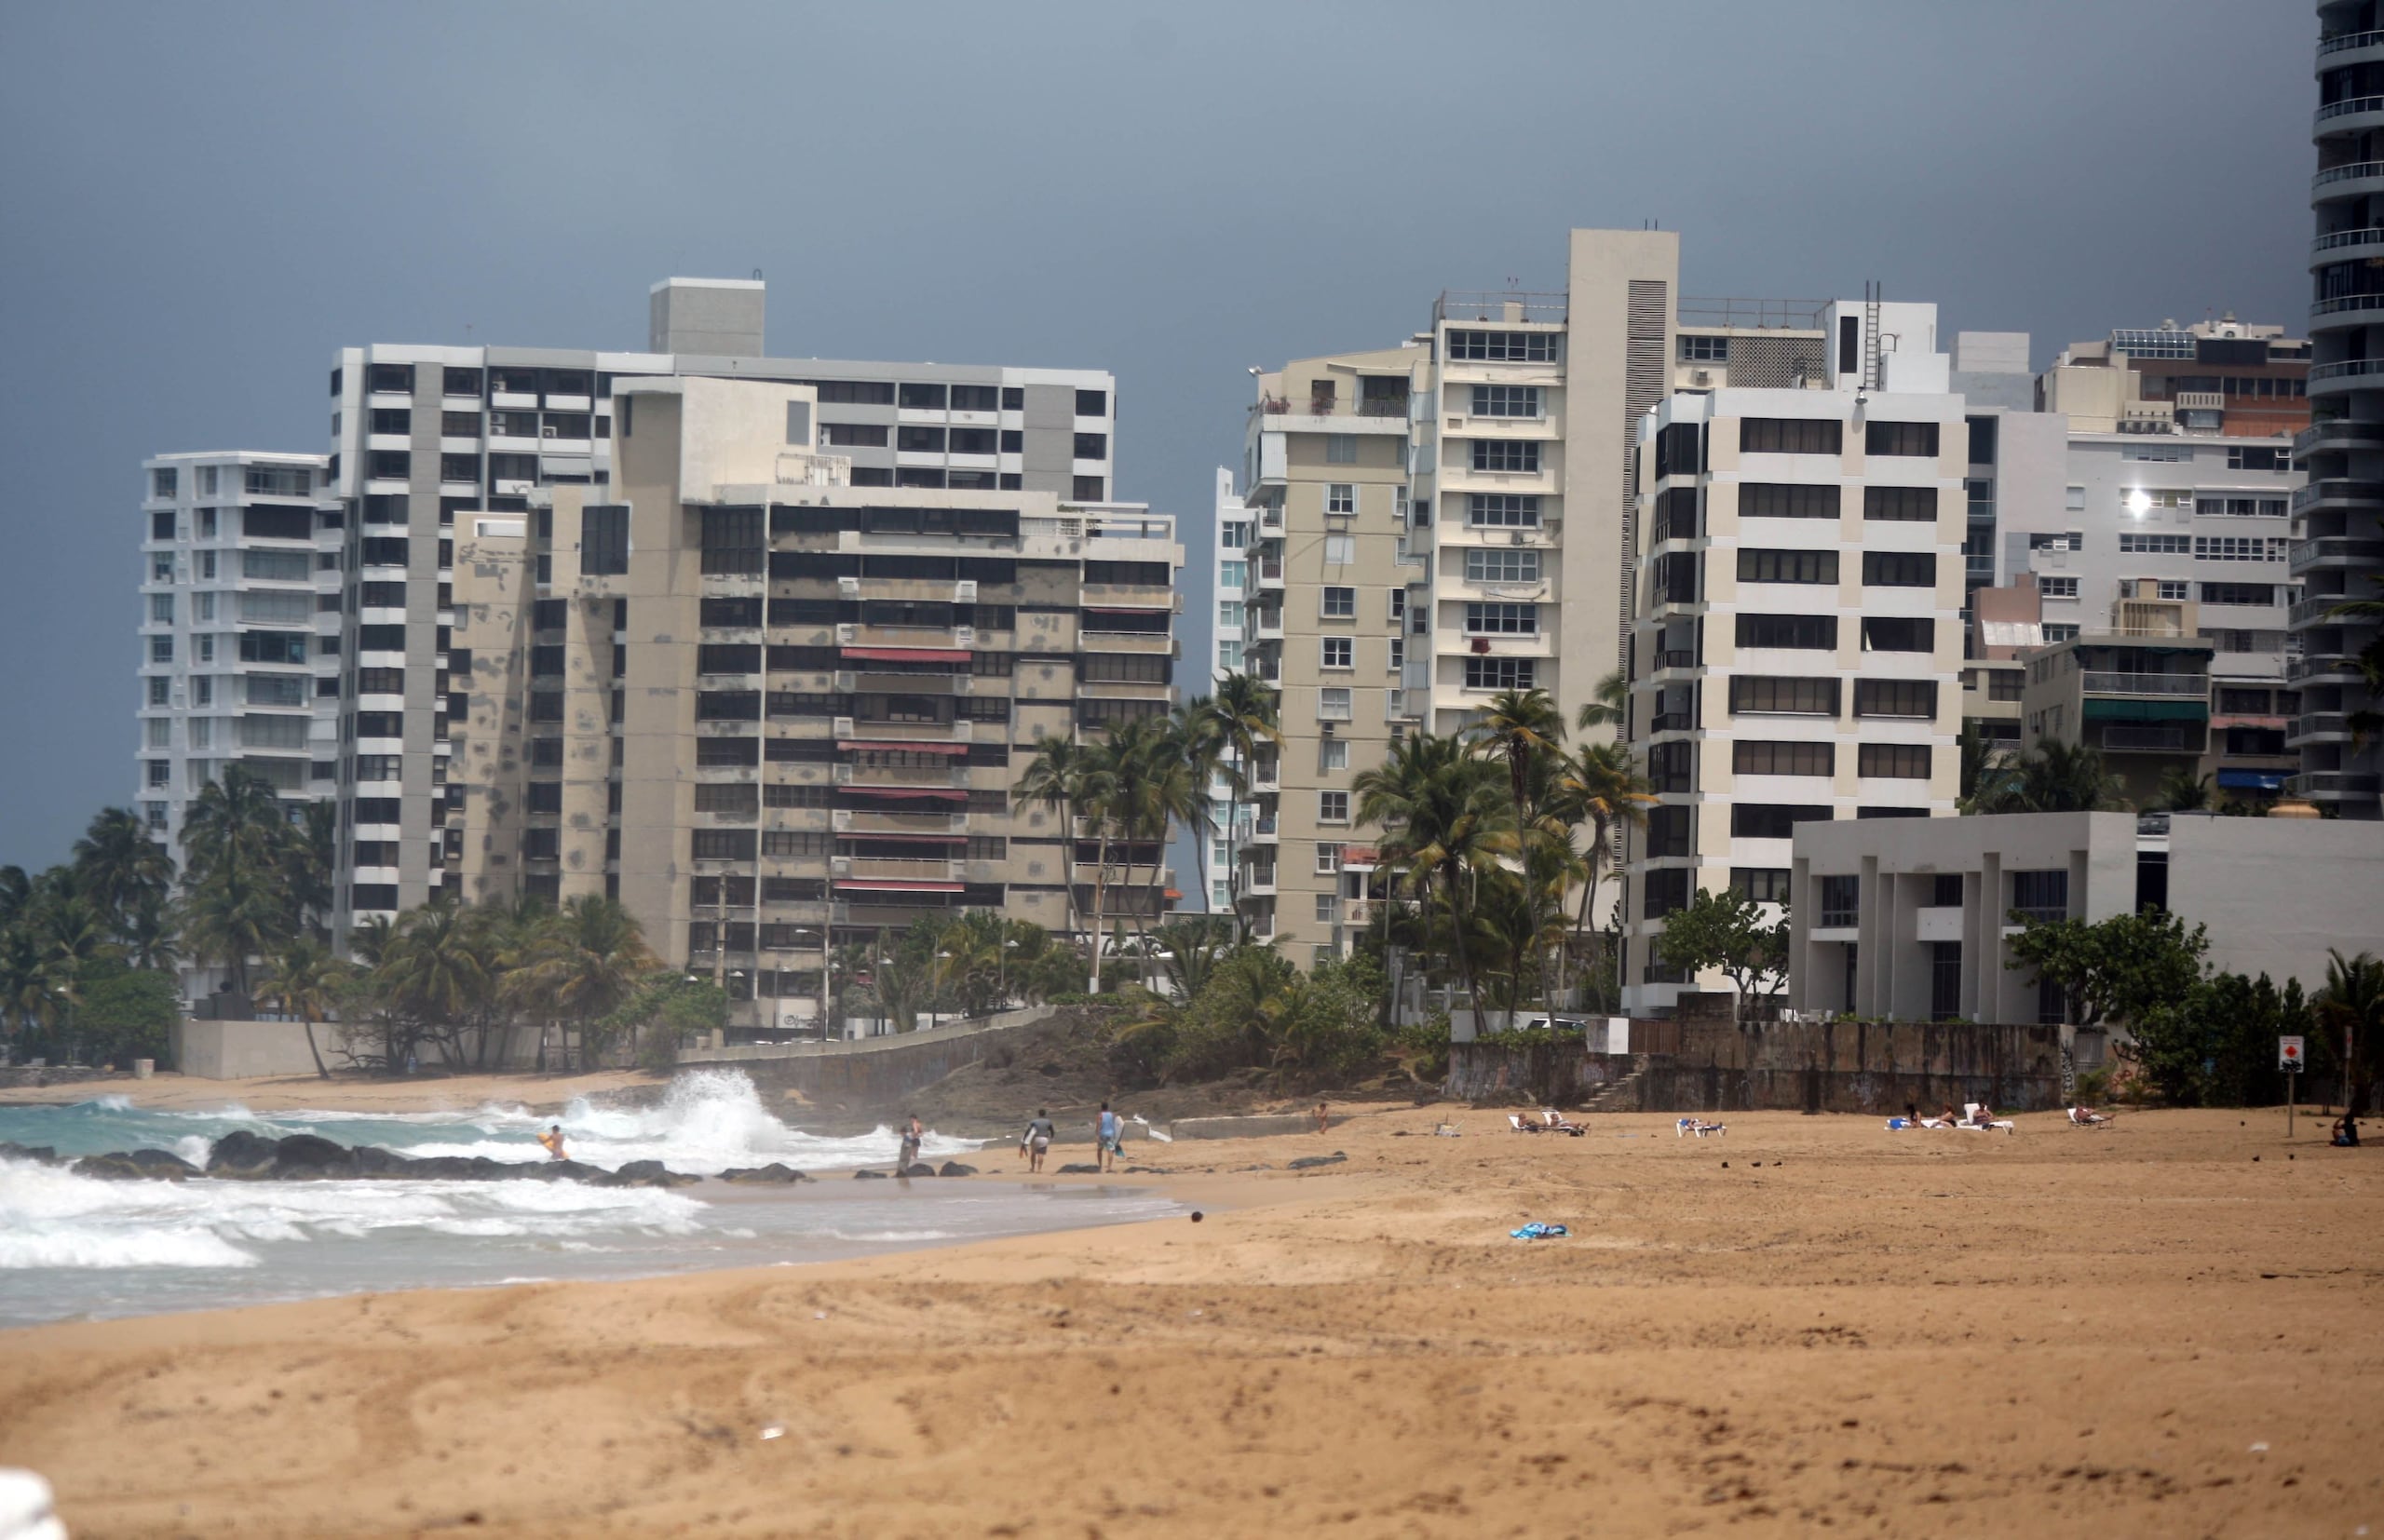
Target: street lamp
1007, 946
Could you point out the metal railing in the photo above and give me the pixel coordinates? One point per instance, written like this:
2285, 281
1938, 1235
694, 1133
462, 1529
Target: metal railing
2348, 106
2100, 683
1752, 315
2312, 723
2142, 736
2335, 306
2332, 783
2344, 42
2340, 239
2358, 171
2335, 547
1489, 307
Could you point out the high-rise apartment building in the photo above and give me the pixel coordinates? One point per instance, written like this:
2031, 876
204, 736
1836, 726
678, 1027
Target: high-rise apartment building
422, 434
240, 586
775, 713
1431, 523
1798, 635
2339, 519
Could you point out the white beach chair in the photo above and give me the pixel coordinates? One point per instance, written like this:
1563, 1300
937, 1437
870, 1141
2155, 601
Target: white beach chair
1970, 1119
2083, 1118
1515, 1121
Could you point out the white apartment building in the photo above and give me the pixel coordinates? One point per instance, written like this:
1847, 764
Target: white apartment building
2339, 519
1232, 816
239, 591
420, 434
1798, 634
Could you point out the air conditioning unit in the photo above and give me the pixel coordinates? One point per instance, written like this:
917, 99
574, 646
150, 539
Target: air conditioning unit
847, 681
849, 587
840, 866
965, 591
1703, 376
1515, 537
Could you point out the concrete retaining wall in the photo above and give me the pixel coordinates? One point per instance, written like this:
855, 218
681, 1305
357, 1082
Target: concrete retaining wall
868, 1071
1262, 1127
236, 1050
1837, 1066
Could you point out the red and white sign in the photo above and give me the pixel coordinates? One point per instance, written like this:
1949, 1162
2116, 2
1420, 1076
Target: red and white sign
2288, 1055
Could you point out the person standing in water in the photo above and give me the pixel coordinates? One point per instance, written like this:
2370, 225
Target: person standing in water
911, 1134
1108, 1133
1036, 1143
552, 1142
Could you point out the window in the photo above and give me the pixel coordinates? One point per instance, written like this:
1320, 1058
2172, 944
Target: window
377, 768
2238, 593
1498, 400
1787, 631
161, 524
2041, 894
1664, 892
919, 440
722, 845
1229, 612
1896, 634
2139, 545
1338, 653
203, 647
1333, 807
1506, 455
1233, 575
1398, 598
1229, 656
1790, 435
1841, 902
1340, 551
1340, 497
202, 691
604, 540
1893, 760
2056, 632
1783, 695
1905, 505
852, 435
1773, 820
1340, 448
1500, 673
1333, 705
1338, 603
1531, 347
160, 771
1914, 440
1694, 349
275, 690
1092, 446
2242, 508
1765, 884
2239, 548
1757, 565
1895, 698
1786, 500
206, 563
1089, 489
1092, 403
1501, 511
2057, 588
160, 690
161, 608
162, 482
1900, 569
1766, 757
1498, 565
921, 397
161, 568
975, 440
1482, 620
1233, 535
2259, 459
160, 731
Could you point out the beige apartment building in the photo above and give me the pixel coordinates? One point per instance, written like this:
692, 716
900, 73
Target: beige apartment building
775, 713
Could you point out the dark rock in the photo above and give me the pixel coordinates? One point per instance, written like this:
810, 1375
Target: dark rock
954, 1168
650, 1174
562, 1170
918, 1167
311, 1157
370, 1160
869, 1175
242, 1157
117, 1167
774, 1173
1304, 1162
164, 1165
1079, 1168
46, 1154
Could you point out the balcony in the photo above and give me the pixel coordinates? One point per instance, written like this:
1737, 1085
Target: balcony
2338, 491
2342, 433
2347, 374
2351, 115
878, 869
1130, 596
2097, 682
1671, 721
1261, 832
2318, 727
2314, 668
855, 820
1269, 571
924, 776
1677, 657
2316, 609
2151, 738
2345, 243
1259, 882
868, 731
2335, 550
2355, 180
2329, 785
1266, 625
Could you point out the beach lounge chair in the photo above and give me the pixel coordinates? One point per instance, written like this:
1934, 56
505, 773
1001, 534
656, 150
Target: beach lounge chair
1970, 1119
1517, 1122
1699, 1127
2085, 1117
1556, 1122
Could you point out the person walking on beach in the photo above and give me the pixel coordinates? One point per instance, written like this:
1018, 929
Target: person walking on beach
1036, 1143
552, 1142
1323, 1120
1108, 1133
911, 1134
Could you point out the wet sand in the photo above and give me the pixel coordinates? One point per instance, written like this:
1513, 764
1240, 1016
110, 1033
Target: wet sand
2130, 1331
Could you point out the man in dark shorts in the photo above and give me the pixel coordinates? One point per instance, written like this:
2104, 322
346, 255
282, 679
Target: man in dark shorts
911, 1134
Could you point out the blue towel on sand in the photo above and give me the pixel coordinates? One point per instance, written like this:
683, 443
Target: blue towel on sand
1537, 1231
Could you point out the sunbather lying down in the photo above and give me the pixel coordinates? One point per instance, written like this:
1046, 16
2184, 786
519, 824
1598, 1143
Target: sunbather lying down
2087, 1117
1699, 1127
1556, 1121
1978, 1115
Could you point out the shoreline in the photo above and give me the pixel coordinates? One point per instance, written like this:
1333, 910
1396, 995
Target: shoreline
1810, 1320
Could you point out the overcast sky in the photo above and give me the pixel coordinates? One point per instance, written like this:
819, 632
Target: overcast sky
198, 203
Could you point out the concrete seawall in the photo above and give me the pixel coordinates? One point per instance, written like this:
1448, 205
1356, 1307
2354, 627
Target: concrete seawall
867, 1072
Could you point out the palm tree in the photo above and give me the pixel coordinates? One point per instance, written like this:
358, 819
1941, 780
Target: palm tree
2181, 791
2352, 1001
308, 981
2055, 777
1200, 736
434, 972
151, 934
1157, 785
1986, 772
586, 960
120, 866
1062, 775
1444, 820
238, 905
1521, 728
1599, 784
1245, 708
309, 861
1610, 705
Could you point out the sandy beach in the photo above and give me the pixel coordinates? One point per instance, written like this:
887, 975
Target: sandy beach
1808, 1324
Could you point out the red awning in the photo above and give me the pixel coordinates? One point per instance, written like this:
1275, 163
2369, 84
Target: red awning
904, 746
953, 795
896, 884
908, 654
